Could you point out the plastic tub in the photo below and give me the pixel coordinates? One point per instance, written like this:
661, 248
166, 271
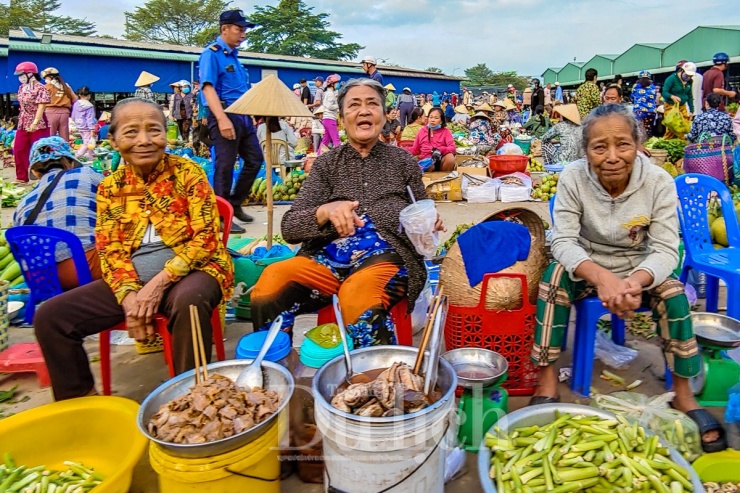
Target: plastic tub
507, 163
543, 414
391, 454
249, 346
525, 144
100, 432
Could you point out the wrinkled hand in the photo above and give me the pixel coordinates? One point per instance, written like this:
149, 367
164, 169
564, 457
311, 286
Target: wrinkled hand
612, 291
226, 128
439, 225
343, 216
136, 327
148, 300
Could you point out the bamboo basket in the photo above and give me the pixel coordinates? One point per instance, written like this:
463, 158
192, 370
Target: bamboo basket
503, 294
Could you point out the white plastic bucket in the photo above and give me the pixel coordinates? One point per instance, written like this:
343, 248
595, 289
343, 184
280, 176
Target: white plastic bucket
378, 455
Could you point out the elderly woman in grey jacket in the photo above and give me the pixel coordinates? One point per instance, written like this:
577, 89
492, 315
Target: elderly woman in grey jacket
616, 237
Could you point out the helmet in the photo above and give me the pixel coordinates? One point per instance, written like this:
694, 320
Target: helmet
720, 58
49, 71
26, 68
333, 79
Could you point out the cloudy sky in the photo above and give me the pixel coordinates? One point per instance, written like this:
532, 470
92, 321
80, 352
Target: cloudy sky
523, 35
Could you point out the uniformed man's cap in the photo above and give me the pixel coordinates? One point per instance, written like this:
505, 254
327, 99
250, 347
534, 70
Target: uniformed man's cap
235, 17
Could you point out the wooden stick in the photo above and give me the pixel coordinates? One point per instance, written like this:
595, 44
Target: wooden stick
196, 351
428, 329
200, 344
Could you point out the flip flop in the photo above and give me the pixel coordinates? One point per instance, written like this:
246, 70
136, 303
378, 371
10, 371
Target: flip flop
706, 423
543, 399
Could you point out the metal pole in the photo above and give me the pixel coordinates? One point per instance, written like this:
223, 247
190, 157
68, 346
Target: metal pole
268, 180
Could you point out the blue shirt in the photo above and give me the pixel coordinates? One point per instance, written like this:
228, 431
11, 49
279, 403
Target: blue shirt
377, 76
220, 67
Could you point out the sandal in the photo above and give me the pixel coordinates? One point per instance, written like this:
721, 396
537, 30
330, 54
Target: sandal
543, 399
706, 423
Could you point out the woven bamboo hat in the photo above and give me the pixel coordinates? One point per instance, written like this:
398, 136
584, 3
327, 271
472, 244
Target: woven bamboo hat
569, 111
146, 79
481, 115
500, 104
509, 105
484, 107
427, 108
461, 109
390, 87
270, 97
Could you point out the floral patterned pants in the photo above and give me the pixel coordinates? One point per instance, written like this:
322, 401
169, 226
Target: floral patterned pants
303, 285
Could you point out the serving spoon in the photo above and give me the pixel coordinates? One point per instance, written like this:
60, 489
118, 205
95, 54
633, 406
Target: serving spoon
251, 375
350, 377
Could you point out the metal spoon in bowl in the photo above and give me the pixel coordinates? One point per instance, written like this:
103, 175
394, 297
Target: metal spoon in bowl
351, 377
251, 375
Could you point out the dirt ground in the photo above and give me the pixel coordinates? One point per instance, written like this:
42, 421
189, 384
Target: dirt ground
134, 376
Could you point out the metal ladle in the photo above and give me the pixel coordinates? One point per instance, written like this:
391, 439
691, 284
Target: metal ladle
351, 377
251, 375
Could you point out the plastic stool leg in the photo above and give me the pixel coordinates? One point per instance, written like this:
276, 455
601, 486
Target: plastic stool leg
712, 294
402, 321
161, 323
668, 377
105, 376
618, 330
218, 335
42, 374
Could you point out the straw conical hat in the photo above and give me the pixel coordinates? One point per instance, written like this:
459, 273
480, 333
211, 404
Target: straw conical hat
390, 87
270, 97
484, 107
146, 79
569, 111
500, 104
461, 109
482, 115
427, 108
509, 105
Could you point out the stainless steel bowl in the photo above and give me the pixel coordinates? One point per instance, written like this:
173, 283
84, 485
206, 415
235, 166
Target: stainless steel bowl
716, 330
331, 376
476, 367
276, 377
544, 414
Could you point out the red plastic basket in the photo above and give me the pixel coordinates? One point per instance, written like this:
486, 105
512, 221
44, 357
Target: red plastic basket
507, 163
509, 333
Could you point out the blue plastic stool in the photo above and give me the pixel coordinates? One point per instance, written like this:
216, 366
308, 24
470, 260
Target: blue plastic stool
693, 192
34, 249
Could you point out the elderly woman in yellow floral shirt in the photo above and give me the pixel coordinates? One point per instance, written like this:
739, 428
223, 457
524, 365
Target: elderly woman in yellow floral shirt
157, 235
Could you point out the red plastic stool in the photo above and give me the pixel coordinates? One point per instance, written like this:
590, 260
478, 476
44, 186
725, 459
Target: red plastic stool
401, 320
24, 358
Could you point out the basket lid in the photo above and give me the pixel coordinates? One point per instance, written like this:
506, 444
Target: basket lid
249, 346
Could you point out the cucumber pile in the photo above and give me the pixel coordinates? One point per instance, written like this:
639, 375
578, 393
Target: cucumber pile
10, 270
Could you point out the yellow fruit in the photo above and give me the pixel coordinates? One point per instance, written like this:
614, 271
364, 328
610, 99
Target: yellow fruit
718, 232
545, 188
91, 146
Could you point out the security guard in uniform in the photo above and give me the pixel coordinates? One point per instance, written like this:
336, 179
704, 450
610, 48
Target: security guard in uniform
223, 80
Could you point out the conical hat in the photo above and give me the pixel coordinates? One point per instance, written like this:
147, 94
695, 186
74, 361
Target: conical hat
569, 111
146, 79
482, 115
270, 97
390, 87
461, 109
484, 107
500, 104
509, 105
427, 108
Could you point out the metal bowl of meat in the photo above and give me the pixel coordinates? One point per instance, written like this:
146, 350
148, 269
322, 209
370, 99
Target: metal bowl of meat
276, 378
477, 367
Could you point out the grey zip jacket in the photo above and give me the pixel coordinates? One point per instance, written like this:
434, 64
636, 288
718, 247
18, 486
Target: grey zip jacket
637, 230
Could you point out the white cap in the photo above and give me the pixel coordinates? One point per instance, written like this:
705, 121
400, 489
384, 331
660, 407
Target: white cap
510, 86
557, 83
369, 59
689, 68
296, 86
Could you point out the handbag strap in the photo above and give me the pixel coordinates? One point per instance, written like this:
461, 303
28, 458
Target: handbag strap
43, 198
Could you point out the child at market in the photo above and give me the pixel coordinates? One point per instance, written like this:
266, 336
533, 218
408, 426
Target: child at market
317, 128
10, 129
83, 115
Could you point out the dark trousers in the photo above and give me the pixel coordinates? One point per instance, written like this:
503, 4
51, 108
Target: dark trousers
184, 127
65, 320
404, 110
247, 146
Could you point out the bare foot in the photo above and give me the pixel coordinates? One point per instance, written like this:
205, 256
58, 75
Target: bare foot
547, 382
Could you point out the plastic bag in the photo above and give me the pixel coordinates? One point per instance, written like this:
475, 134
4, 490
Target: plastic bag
675, 122
419, 315
655, 415
426, 164
510, 149
515, 193
612, 354
479, 189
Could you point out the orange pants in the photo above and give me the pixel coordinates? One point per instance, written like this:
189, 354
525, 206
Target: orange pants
68, 274
302, 285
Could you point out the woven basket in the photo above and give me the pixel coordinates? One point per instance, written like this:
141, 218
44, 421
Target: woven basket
658, 156
4, 319
503, 294
712, 157
153, 345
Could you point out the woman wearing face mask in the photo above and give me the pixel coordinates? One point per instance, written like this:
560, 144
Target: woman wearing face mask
181, 109
331, 109
59, 108
435, 141
678, 91
32, 124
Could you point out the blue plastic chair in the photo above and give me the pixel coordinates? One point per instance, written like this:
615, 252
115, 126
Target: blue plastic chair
34, 249
693, 193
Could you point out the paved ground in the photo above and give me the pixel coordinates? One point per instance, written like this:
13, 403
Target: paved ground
134, 376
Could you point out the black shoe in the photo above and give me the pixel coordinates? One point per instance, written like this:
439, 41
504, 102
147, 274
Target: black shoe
236, 229
241, 215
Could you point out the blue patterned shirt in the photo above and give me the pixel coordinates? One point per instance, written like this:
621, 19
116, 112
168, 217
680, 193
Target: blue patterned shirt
644, 98
712, 122
71, 206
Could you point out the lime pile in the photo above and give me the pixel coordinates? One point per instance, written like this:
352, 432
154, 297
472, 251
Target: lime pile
545, 190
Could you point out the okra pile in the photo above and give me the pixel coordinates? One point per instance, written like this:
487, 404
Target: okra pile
583, 453
77, 478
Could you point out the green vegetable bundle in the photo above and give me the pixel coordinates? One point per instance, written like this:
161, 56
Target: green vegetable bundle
77, 478
583, 453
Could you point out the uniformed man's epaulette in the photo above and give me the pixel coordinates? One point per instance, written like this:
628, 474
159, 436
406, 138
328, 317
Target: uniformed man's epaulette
214, 47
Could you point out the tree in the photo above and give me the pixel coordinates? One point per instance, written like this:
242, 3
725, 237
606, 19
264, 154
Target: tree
292, 29
506, 78
479, 75
436, 70
179, 22
38, 15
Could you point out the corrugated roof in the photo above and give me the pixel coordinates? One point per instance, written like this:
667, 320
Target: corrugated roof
608, 57
101, 51
657, 46
729, 27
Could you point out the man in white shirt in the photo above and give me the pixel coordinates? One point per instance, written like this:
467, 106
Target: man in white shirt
698, 93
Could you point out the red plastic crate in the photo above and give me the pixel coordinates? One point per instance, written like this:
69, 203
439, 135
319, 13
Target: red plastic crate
509, 333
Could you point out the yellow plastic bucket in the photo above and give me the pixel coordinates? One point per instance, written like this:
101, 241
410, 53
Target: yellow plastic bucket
254, 467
